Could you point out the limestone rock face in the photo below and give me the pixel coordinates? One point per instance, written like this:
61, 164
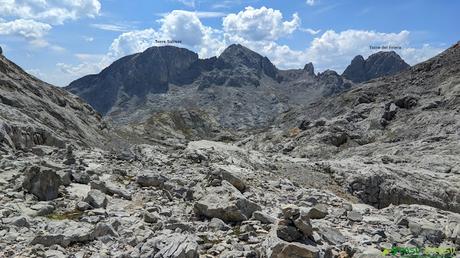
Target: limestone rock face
377, 65
42, 182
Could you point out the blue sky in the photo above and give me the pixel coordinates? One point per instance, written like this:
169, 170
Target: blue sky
62, 40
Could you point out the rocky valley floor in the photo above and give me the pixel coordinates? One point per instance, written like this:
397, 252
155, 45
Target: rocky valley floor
203, 199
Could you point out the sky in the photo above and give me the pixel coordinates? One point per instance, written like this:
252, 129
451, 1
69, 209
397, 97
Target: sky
62, 40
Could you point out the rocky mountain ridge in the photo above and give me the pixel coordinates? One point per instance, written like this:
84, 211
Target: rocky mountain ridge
35, 113
238, 89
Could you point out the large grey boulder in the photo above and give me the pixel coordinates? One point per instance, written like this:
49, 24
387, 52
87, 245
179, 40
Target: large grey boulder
294, 225
104, 229
96, 199
111, 189
426, 230
287, 231
274, 247
284, 249
318, 211
332, 235
226, 203
65, 233
233, 176
263, 217
151, 178
171, 246
452, 230
42, 182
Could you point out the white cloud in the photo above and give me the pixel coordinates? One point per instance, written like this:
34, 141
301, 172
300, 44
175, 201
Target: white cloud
334, 50
132, 42
189, 3
178, 25
37, 73
89, 64
185, 26
50, 11
259, 24
311, 2
88, 39
416, 55
25, 28
33, 19
210, 14
310, 31
111, 27
201, 14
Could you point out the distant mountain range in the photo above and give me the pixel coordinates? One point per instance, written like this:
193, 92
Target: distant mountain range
239, 89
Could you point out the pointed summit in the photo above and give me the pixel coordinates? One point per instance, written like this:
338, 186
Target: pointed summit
309, 68
377, 65
237, 55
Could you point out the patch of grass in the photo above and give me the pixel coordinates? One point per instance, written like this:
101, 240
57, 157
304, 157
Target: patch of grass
237, 230
206, 240
124, 180
70, 215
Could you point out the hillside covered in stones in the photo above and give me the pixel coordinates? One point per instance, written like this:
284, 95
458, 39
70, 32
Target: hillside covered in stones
351, 170
33, 112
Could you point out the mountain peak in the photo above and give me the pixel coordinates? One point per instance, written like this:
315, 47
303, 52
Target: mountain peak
237, 48
237, 55
358, 59
376, 65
